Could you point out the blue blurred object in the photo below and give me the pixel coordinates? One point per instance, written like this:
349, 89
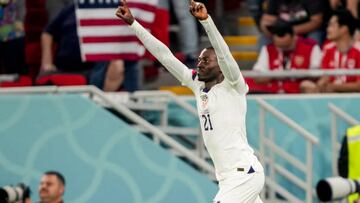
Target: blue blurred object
1, 13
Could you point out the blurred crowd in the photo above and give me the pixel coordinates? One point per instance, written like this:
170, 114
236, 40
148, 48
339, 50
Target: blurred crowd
39, 42
304, 35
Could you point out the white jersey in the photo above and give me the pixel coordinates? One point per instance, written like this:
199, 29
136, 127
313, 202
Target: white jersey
222, 110
222, 113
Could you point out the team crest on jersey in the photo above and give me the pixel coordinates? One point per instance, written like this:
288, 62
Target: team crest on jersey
299, 60
351, 63
204, 100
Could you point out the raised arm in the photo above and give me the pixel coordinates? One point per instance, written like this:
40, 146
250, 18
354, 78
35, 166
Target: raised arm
156, 47
227, 63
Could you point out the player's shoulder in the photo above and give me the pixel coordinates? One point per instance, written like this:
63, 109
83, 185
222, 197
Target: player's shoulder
194, 74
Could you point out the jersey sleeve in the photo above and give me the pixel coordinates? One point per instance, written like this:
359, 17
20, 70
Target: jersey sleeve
315, 58
325, 59
262, 63
163, 54
227, 63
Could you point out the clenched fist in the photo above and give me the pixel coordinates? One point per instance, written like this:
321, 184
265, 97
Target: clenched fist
198, 10
124, 13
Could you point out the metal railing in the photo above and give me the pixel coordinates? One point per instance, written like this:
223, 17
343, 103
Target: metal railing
93, 92
337, 112
8, 77
138, 101
164, 97
266, 142
167, 94
299, 73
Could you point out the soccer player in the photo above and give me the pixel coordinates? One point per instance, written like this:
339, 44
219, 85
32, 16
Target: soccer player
220, 91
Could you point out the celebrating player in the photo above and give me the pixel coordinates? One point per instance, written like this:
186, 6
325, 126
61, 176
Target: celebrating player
220, 91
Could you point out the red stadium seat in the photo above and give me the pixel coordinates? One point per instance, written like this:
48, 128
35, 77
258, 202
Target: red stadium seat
63, 79
260, 88
22, 81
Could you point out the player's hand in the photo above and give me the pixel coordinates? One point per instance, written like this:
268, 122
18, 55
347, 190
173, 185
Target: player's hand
198, 10
124, 13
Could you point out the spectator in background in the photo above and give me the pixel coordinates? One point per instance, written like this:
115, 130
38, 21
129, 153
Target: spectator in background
62, 33
12, 47
341, 53
287, 52
257, 8
52, 187
189, 37
53, 7
351, 5
307, 17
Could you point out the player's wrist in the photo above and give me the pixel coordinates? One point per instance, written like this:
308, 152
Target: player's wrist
129, 21
202, 18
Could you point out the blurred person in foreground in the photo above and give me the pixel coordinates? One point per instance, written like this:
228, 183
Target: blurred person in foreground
52, 187
287, 52
220, 91
342, 52
348, 164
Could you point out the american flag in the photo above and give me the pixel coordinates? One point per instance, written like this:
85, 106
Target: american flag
105, 37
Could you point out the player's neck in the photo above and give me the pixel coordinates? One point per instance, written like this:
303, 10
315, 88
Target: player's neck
344, 44
210, 84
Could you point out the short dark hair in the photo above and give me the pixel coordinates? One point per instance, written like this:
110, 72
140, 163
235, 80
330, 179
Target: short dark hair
58, 175
345, 18
281, 28
210, 47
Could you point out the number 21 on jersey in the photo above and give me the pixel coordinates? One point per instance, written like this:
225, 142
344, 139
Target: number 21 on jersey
207, 122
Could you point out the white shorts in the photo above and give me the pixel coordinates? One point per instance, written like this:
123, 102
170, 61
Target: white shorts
240, 191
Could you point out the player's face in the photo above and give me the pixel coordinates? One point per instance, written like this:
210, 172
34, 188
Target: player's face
333, 29
283, 42
50, 188
208, 67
